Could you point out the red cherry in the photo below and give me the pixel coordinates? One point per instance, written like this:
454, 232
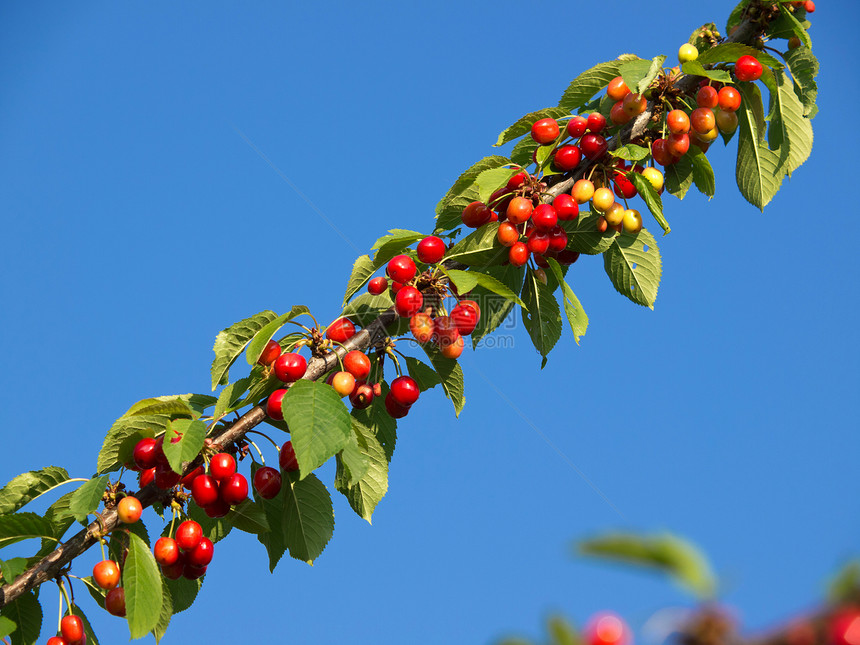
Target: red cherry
362, 396
404, 390
267, 482
618, 115
166, 551
201, 555
567, 157
557, 239
508, 235
287, 458
115, 601
394, 409
408, 301
146, 477
623, 187
377, 286
844, 628
678, 144
174, 571
593, 145
401, 268
357, 363
144, 453
204, 490
567, 256
190, 572
222, 466
129, 509
596, 122
634, 104
188, 535
431, 249
106, 574
290, 367
218, 508
577, 126
234, 489
729, 99
566, 207
707, 97
476, 214
165, 478
273, 405
517, 180
518, 254
519, 210
473, 305
545, 131
270, 352
465, 318
421, 326
538, 241
678, 122
341, 330
188, 479
72, 628
607, 629
809, 6
57, 640
747, 68
661, 153
544, 217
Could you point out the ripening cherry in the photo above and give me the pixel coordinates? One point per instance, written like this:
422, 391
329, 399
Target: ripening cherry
707, 137
518, 254
607, 629
401, 268
267, 482
106, 574
582, 191
453, 349
844, 627
222, 466
614, 214
129, 509
115, 601
593, 145
377, 286
188, 535
421, 326
678, 144
287, 457
747, 68
544, 217
602, 199
408, 301
655, 177
602, 224
727, 122
706, 97
465, 318
270, 352
618, 115
341, 330
632, 221
661, 153
678, 122
557, 239
634, 104
537, 241
702, 120
166, 551
431, 249
567, 157
545, 131
809, 6
565, 207
204, 490
273, 405
729, 99
596, 122
519, 210
476, 215
507, 235
617, 89
577, 126
343, 383
357, 363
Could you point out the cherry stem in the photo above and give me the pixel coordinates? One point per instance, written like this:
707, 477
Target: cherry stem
102, 545
173, 521
263, 434
65, 595
60, 614
390, 351
298, 324
259, 452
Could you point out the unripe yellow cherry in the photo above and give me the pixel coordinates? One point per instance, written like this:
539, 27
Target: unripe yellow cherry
687, 52
603, 198
632, 221
614, 214
655, 177
583, 190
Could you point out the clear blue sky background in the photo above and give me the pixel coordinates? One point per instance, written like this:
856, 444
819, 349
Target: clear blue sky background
139, 218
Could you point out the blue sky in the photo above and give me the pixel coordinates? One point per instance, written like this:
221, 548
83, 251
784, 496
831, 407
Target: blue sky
170, 168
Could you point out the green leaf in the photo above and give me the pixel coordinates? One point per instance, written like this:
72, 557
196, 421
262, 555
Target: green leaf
273, 540
630, 152
796, 26
231, 342
465, 281
480, 248
22, 526
249, 517
804, 68
362, 270
26, 613
451, 375
12, 568
789, 130
573, 309
60, 517
543, 318
737, 14
653, 72
844, 585
166, 612
582, 235
364, 493
380, 423
703, 174
230, 395
28, 486
679, 177
668, 553
183, 441
587, 84
634, 71
87, 498
634, 266
488, 181
398, 235
319, 423
97, 593
366, 308
183, 592
262, 337
464, 191
524, 124
142, 582
695, 68
651, 198
122, 437
424, 375
352, 459
759, 170
7, 626
75, 610
308, 521
562, 632
494, 310
730, 52
523, 151
171, 406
